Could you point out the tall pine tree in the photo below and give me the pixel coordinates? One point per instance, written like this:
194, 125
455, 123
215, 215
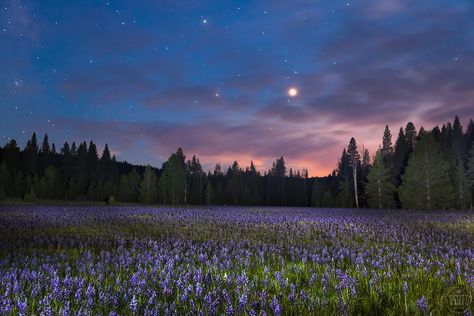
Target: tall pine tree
379, 189
426, 184
470, 172
354, 163
410, 136
148, 190
173, 180
387, 148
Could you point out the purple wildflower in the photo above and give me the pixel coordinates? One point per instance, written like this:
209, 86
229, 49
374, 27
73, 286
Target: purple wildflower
422, 305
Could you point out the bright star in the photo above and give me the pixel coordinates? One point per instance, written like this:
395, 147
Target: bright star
292, 92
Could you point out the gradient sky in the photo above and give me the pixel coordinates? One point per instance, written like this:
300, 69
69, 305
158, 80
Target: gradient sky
213, 76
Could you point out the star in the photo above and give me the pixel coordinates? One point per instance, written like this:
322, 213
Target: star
292, 92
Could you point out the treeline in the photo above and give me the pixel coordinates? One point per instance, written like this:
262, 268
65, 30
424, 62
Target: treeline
422, 170
80, 173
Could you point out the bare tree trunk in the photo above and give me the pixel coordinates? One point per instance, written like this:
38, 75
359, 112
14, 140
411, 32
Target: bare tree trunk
282, 190
185, 189
461, 189
380, 193
148, 188
356, 195
428, 186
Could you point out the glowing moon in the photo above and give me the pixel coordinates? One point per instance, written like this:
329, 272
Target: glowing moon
292, 92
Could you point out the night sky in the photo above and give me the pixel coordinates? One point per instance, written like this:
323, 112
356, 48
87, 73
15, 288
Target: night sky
216, 77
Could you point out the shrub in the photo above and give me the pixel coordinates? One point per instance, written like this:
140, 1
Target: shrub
2, 195
30, 197
111, 200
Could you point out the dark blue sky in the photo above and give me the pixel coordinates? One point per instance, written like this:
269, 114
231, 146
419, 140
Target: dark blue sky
213, 76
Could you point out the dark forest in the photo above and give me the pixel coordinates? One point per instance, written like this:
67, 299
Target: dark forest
421, 169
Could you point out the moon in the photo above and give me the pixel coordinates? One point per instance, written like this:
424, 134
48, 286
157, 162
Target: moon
292, 92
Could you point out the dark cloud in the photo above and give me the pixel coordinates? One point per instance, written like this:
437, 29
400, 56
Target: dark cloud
213, 141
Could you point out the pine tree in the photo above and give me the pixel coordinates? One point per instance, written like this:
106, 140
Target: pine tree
426, 184
422, 132
436, 132
470, 172
458, 147
67, 162
18, 188
379, 189
400, 156
364, 171
173, 180
124, 190
327, 200
345, 198
462, 188
317, 193
30, 156
92, 160
5, 177
147, 189
50, 185
469, 137
387, 148
44, 154
354, 163
216, 185
410, 136
209, 193
234, 177
11, 156
365, 162
278, 172
82, 175
195, 182
133, 181
106, 167
252, 186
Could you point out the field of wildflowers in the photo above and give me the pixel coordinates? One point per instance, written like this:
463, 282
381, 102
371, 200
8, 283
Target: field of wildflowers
231, 260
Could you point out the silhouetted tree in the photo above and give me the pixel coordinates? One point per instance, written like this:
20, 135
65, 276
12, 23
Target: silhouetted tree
426, 184
30, 156
400, 157
128, 186
379, 189
172, 183
82, 175
470, 172
5, 178
354, 163
195, 182
147, 189
387, 148
50, 185
410, 136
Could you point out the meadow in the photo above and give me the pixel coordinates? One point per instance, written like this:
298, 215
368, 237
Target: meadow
233, 260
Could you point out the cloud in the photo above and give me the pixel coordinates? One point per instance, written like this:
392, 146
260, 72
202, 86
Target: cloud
212, 142
357, 67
